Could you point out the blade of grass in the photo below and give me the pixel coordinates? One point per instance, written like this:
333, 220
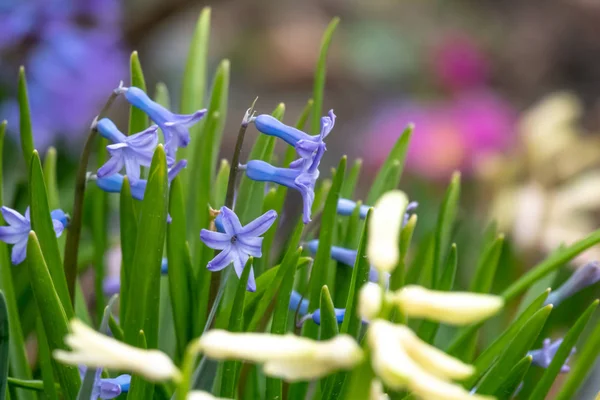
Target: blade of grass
510, 385
45, 362
350, 182
25, 127
220, 186
99, 229
4, 345
140, 388
50, 178
128, 227
487, 266
138, 121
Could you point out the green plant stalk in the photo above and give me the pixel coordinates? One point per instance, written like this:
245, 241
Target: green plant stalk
4, 345
25, 127
45, 361
99, 230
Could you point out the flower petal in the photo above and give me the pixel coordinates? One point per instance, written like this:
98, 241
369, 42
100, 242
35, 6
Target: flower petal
186, 120
13, 217
12, 235
58, 227
220, 261
239, 260
250, 245
231, 222
215, 240
19, 251
112, 166
132, 169
251, 285
260, 225
110, 131
181, 164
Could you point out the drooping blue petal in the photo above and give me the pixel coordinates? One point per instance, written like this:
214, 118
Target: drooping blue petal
175, 169
220, 261
58, 227
346, 207
250, 245
260, 225
297, 302
19, 251
13, 217
109, 130
262, 171
271, 126
114, 164
544, 356
60, 216
231, 222
164, 266
111, 285
583, 277
215, 240
12, 235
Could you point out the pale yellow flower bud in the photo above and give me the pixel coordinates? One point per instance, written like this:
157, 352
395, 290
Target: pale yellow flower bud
384, 230
369, 303
200, 395
455, 308
377, 392
290, 357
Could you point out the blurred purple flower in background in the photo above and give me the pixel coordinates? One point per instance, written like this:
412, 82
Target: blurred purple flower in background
64, 45
453, 132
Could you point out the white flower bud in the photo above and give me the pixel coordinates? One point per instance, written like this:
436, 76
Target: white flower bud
384, 230
455, 308
200, 395
290, 357
377, 392
94, 349
369, 304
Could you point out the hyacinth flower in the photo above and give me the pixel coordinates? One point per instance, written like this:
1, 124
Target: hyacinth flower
544, 356
583, 277
175, 127
107, 388
111, 285
131, 152
238, 242
299, 303
17, 231
114, 182
346, 257
345, 207
305, 144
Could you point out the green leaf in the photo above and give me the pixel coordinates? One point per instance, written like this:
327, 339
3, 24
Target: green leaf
128, 228
4, 345
52, 313
398, 276
318, 276
140, 388
144, 295
514, 351
564, 351
138, 121
351, 180
329, 325
428, 329
580, 369
28, 384
99, 225
180, 268
50, 178
487, 266
397, 156
17, 357
271, 202
320, 73
41, 223
193, 88
45, 362
444, 226
25, 127
220, 186
236, 324
507, 389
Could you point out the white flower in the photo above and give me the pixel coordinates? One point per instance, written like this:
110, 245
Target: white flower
94, 349
290, 357
384, 230
456, 308
200, 395
377, 392
402, 361
369, 304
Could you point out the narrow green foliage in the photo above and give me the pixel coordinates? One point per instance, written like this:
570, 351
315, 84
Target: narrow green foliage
99, 229
329, 325
4, 345
41, 223
564, 351
45, 362
180, 268
351, 180
144, 295
320, 72
140, 388
444, 226
486, 267
507, 389
319, 271
514, 351
138, 121
359, 382
398, 276
53, 315
397, 156
25, 127
128, 225
29, 384
162, 97
220, 186
50, 178
270, 202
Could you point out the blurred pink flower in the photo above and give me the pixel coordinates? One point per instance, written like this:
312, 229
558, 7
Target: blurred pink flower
458, 63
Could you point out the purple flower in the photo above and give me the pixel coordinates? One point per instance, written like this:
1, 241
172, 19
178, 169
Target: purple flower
583, 277
297, 302
107, 388
346, 257
17, 233
543, 357
346, 207
238, 242
306, 145
114, 183
131, 152
175, 127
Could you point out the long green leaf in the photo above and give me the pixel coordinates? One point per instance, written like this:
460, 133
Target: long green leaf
486, 268
564, 351
515, 351
99, 225
180, 268
4, 345
140, 388
220, 186
320, 73
351, 180
41, 223
397, 155
507, 389
329, 325
52, 313
128, 226
236, 324
50, 178
144, 295
45, 362
25, 126
138, 121
18, 359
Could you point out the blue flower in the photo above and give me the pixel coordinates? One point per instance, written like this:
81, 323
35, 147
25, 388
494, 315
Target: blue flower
238, 242
17, 233
114, 182
300, 304
131, 152
346, 207
306, 145
543, 357
583, 277
107, 388
111, 284
346, 257
296, 177
175, 127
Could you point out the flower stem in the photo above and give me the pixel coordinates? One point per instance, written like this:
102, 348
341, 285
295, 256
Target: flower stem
74, 231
